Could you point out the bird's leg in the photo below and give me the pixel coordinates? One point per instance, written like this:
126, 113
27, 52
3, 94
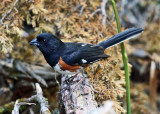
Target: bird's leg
70, 79
70, 94
79, 82
74, 77
69, 82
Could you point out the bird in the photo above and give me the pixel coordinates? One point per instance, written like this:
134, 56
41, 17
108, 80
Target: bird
69, 58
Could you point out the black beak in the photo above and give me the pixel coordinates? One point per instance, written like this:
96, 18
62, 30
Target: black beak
34, 42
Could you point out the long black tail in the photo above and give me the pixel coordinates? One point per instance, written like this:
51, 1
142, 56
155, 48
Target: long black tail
121, 37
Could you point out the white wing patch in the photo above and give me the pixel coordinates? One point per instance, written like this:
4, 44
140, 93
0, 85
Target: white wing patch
93, 45
84, 61
83, 44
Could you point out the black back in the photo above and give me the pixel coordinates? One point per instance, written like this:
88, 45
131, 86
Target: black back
81, 53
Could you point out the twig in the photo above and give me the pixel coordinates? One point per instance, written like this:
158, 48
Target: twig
77, 7
17, 106
56, 79
38, 97
41, 100
26, 69
9, 11
80, 6
103, 10
82, 9
92, 14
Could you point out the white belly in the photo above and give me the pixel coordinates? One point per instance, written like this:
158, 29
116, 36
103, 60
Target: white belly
66, 72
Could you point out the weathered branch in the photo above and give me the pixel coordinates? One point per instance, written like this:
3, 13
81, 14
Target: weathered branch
38, 97
77, 94
41, 100
17, 106
103, 6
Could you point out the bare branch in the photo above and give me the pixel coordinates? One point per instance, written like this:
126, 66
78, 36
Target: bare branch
92, 14
17, 106
38, 97
41, 100
82, 9
56, 79
103, 6
77, 97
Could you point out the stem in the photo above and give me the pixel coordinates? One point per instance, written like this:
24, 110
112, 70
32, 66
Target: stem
125, 60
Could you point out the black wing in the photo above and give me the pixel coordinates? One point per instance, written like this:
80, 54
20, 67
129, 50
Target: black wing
81, 53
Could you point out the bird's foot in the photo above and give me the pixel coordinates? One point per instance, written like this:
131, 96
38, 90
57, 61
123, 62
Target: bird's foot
68, 96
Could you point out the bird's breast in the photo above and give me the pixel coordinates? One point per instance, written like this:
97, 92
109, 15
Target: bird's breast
64, 68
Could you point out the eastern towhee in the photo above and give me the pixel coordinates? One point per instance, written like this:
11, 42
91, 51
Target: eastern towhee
70, 58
